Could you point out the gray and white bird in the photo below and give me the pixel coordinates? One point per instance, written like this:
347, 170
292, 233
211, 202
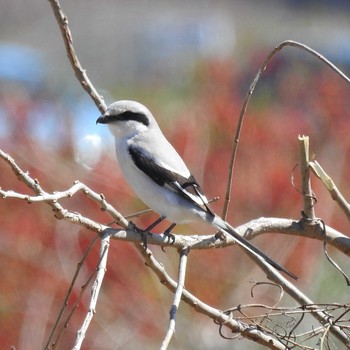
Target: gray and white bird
159, 176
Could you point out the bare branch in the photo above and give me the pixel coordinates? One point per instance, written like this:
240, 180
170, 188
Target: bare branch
248, 230
205, 309
77, 187
66, 299
177, 297
337, 196
79, 72
247, 331
331, 187
101, 269
59, 211
296, 228
73, 309
247, 100
308, 196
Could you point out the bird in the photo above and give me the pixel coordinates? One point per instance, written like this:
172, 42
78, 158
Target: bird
159, 176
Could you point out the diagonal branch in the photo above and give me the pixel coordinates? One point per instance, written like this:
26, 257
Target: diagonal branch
79, 72
77, 187
177, 297
33, 184
248, 230
247, 331
331, 187
205, 242
101, 270
68, 294
248, 96
74, 307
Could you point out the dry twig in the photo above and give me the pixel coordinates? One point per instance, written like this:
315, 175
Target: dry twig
331, 187
79, 71
101, 269
248, 96
177, 297
306, 191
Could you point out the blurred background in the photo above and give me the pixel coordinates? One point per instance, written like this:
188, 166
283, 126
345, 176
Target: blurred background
191, 63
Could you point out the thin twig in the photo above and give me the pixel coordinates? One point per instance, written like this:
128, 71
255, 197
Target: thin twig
101, 269
79, 72
217, 315
248, 230
177, 297
339, 199
77, 187
248, 97
59, 211
65, 302
73, 309
331, 187
289, 227
308, 196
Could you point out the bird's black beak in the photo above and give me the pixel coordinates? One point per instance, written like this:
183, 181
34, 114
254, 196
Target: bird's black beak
103, 119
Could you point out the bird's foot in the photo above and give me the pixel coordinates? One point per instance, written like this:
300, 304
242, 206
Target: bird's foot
220, 235
144, 233
171, 237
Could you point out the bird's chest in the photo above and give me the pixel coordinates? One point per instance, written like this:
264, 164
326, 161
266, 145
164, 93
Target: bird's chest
156, 197
136, 178
126, 163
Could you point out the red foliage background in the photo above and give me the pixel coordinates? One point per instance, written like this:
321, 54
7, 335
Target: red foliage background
39, 254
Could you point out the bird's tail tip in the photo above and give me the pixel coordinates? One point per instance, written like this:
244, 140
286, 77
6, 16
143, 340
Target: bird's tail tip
223, 225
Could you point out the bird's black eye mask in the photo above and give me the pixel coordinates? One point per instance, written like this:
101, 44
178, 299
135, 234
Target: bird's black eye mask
127, 115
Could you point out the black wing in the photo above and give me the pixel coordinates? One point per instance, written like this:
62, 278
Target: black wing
185, 187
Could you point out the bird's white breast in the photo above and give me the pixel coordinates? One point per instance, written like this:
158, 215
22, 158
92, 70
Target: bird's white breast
161, 199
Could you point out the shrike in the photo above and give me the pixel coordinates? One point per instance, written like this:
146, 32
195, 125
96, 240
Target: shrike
159, 176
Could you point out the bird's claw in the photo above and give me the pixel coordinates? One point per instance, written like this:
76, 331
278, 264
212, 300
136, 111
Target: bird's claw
143, 233
170, 236
220, 235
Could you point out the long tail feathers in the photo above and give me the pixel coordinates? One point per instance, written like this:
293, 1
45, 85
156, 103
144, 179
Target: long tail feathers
222, 225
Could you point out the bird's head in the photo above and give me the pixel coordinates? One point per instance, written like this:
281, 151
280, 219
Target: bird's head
127, 118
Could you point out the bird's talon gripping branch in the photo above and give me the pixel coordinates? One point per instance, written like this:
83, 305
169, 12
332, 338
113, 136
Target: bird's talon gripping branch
132, 226
143, 233
168, 234
144, 236
171, 238
220, 236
